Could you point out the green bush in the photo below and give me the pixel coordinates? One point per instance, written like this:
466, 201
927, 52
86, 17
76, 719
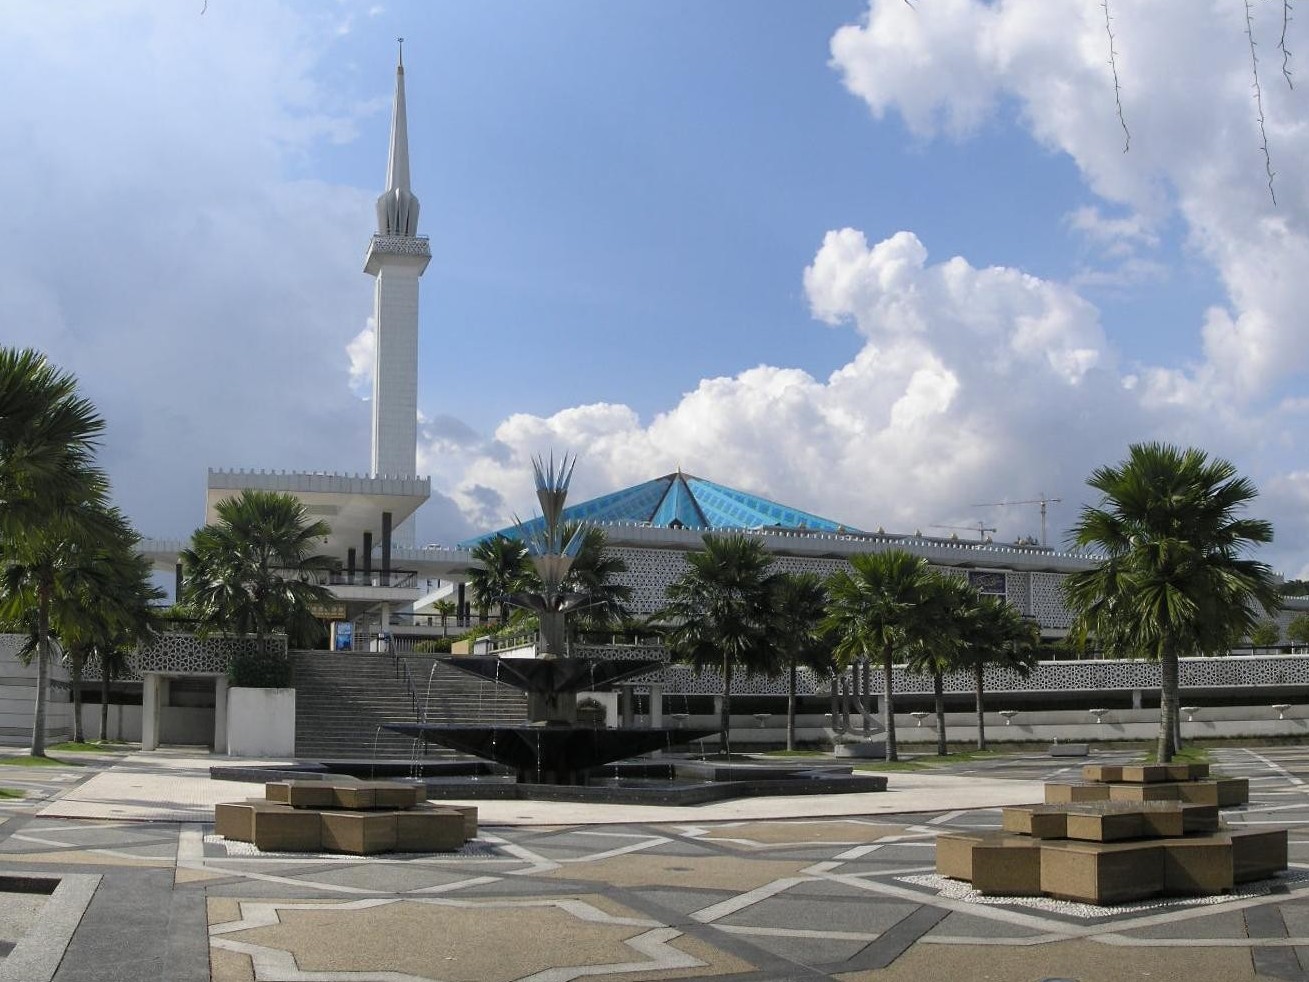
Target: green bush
260, 671
433, 646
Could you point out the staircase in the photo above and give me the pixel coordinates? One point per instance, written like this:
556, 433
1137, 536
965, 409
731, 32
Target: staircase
457, 697
343, 698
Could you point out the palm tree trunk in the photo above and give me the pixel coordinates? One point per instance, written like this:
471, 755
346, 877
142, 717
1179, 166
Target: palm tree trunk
836, 703
42, 670
790, 709
725, 713
75, 661
888, 706
1168, 671
866, 670
938, 693
104, 699
981, 712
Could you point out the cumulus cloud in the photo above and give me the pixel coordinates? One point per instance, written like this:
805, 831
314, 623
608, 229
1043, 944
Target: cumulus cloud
949, 400
973, 385
360, 353
1186, 93
171, 252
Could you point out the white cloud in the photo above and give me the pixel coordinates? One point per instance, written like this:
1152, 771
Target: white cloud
948, 401
1186, 95
973, 385
171, 254
360, 353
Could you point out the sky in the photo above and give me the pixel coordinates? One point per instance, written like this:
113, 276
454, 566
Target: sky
882, 261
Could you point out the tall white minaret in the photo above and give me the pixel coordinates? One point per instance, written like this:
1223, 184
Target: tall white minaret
397, 257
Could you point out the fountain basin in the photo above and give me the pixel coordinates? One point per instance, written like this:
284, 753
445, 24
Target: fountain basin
548, 754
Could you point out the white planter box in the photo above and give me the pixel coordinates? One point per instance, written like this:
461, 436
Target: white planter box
260, 722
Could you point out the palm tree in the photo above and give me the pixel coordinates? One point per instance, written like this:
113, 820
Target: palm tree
444, 608
52, 498
874, 609
996, 634
102, 601
798, 604
1172, 579
252, 572
945, 607
594, 574
719, 611
501, 570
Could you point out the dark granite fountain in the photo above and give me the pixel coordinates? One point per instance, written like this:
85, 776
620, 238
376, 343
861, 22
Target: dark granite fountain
552, 748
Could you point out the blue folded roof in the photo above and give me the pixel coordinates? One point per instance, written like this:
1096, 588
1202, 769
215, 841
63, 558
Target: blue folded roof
684, 501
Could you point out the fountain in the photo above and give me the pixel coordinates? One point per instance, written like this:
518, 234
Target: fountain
551, 748
551, 755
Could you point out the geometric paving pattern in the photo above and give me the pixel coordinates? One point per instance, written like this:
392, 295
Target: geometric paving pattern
849, 898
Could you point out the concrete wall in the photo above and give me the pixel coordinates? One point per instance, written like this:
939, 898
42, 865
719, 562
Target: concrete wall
18, 698
260, 722
1037, 728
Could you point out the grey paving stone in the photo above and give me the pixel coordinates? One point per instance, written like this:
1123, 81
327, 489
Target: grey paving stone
961, 925
682, 903
18, 912
1224, 924
814, 952
794, 912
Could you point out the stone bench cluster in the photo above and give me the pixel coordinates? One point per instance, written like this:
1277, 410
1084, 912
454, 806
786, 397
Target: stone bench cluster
359, 817
1123, 833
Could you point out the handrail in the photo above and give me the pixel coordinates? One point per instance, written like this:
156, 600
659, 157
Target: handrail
401, 668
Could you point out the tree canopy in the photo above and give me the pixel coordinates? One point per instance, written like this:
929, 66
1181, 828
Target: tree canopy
1174, 578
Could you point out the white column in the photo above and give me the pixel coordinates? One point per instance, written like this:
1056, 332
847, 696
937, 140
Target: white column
220, 714
625, 705
150, 712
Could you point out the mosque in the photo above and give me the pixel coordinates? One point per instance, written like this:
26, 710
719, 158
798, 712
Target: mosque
389, 587
390, 594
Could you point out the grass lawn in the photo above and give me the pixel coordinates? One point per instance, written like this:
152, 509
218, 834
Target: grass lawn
24, 760
1187, 755
924, 762
10, 793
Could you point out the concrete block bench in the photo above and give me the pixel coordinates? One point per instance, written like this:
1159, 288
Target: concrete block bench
1125, 833
358, 818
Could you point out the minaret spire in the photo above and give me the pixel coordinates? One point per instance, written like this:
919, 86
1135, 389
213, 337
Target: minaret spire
397, 257
397, 208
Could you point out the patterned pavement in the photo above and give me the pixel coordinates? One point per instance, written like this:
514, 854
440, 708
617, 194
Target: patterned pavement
822, 897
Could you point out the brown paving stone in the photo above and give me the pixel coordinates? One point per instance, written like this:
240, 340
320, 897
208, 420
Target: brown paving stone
78, 856
230, 966
716, 963
450, 943
1085, 961
789, 833
710, 872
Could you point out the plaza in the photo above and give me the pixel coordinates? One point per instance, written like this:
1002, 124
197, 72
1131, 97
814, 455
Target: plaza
109, 870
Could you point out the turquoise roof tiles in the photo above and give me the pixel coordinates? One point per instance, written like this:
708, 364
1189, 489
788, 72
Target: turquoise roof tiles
684, 501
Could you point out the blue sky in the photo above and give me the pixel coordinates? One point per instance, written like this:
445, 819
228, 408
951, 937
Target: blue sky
878, 261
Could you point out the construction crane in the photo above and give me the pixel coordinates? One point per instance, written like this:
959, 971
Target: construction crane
1043, 501
979, 528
